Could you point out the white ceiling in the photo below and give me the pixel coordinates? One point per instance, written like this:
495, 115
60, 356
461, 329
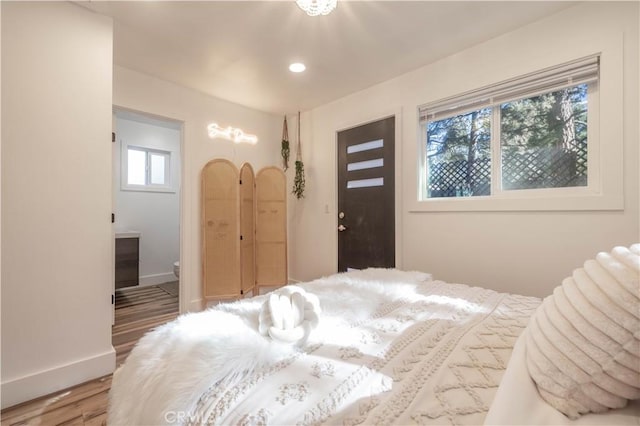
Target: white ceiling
240, 50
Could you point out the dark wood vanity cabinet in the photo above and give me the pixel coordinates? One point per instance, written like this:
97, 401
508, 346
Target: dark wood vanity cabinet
127, 261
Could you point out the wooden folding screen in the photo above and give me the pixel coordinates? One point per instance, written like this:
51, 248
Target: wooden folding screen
221, 274
244, 229
247, 228
271, 227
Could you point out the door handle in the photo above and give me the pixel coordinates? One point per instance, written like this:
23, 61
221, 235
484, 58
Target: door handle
341, 228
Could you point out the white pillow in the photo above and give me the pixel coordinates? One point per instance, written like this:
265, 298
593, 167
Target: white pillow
583, 342
517, 401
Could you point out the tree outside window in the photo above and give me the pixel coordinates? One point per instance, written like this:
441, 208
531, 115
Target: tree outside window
542, 142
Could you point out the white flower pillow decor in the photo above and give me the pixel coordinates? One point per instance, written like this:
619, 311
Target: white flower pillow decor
289, 315
583, 342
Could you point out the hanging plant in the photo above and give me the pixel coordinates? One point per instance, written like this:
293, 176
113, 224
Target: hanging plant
284, 150
298, 181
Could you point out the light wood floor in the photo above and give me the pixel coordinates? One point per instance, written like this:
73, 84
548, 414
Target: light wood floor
137, 311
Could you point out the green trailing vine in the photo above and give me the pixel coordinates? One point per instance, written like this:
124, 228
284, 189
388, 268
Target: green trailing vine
285, 150
299, 181
285, 154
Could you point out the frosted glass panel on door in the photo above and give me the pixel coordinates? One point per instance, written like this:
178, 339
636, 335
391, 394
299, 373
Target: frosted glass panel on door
366, 146
136, 167
369, 164
365, 183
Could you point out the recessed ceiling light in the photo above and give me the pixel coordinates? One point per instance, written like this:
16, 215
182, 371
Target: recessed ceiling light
297, 67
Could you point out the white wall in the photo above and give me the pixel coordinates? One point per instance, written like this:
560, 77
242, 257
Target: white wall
140, 92
56, 198
527, 252
0, 200
156, 215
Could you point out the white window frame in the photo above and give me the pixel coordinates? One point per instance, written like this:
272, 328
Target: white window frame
169, 165
603, 190
496, 155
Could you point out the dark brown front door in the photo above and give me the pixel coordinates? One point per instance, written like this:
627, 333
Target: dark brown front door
366, 196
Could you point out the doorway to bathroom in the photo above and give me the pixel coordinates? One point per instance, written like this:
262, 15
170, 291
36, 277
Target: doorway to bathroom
146, 221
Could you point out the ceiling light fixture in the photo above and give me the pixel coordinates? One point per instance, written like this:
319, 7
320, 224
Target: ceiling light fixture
317, 7
297, 67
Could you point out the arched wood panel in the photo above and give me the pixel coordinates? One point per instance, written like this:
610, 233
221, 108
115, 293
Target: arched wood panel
247, 228
221, 275
271, 227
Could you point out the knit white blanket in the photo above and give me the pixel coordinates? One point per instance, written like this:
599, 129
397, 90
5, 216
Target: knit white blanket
390, 347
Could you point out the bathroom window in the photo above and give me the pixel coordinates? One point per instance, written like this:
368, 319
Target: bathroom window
145, 169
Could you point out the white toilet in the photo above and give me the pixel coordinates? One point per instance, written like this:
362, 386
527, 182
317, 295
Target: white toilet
176, 268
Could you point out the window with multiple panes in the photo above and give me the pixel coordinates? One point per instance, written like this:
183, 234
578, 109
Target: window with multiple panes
146, 169
528, 133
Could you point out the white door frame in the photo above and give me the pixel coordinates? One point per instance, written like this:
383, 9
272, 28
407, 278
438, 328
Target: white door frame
183, 303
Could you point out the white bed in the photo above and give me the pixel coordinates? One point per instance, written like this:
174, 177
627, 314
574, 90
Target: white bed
390, 347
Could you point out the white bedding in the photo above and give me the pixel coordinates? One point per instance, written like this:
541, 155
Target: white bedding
391, 347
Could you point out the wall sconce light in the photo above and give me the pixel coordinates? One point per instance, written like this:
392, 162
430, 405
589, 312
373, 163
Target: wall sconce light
231, 133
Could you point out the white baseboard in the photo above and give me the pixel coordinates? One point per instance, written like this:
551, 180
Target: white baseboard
45, 382
195, 305
156, 279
